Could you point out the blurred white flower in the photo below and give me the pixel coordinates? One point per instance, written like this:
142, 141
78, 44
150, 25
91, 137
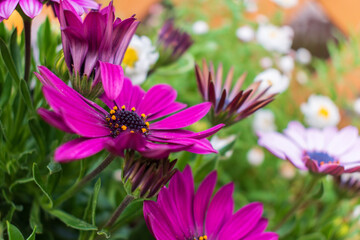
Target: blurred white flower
303, 56
245, 33
356, 212
272, 38
301, 77
262, 19
287, 170
286, 3
266, 62
118, 175
200, 27
320, 112
138, 58
250, 5
274, 79
255, 156
286, 64
264, 121
220, 143
357, 106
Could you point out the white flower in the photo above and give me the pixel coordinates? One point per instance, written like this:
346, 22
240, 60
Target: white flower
303, 56
272, 38
356, 212
301, 77
138, 59
245, 33
250, 5
274, 79
287, 170
286, 64
266, 62
220, 143
255, 156
200, 27
264, 121
286, 3
357, 106
320, 112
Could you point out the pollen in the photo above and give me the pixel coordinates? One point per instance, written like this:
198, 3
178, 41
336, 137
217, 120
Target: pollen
130, 57
323, 112
115, 108
143, 130
107, 119
132, 131
143, 115
147, 124
116, 125
123, 107
113, 117
112, 112
123, 127
133, 109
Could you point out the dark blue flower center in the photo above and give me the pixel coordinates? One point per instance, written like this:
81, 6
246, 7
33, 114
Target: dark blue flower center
321, 158
120, 120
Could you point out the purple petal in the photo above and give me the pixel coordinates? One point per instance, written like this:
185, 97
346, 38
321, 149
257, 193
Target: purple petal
31, 8
112, 77
297, 133
79, 148
220, 210
54, 119
242, 222
183, 118
81, 5
332, 169
157, 99
7, 7
202, 200
263, 236
352, 155
259, 228
124, 141
174, 107
315, 140
344, 140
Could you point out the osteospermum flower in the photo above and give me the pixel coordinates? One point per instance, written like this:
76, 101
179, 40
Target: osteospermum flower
140, 56
99, 37
132, 122
172, 42
181, 214
320, 111
327, 151
230, 105
32, 8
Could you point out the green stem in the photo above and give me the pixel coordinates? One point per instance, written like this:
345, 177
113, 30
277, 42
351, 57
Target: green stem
300, 200
80, 184
27, 29
125, 202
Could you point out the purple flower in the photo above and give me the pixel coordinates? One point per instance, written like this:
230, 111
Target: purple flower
173, 43
181, 214
137, 120
98, 37
230, 105
32, 8
327, 151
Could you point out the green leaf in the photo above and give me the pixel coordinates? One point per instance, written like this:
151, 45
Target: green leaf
204, 170
131, 211
26, 95
32, 235
72, 221
9, 62
20, 181
6, 91
15, 50
40, 183
35, 222
54, 167
95, 199
318, 194
38, 134
13, 232
313, 236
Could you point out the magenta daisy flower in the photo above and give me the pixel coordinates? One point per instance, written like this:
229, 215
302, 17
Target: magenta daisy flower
181, 214
230, 104
136, 119
327, 151
32, 8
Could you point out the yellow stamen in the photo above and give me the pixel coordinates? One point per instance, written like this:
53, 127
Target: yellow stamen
110, 124
130, 57
115, 108
205, 237
112, 112
201, 238
123, 127
107, 119
147, 124
116, 125
143, 115
132, 131
143, 130
113, 117
323, 112
133, 109
123, 107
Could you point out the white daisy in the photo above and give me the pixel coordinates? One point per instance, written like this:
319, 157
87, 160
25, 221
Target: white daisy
303, 56
139, 57
264, 121
266, 62
274, 79
286, 64
320, 112
200, 27
245, 33
286, 3
272, 38
255, 156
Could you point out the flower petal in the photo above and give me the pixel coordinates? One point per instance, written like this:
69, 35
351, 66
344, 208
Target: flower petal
344, 140
79, 148
112, 78
54, 119
7, 8
31, 8
183, 118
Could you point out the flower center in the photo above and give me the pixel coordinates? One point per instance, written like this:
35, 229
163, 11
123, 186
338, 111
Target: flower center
323, 112
121, 120
322, 158
201, 238
130, 57
273, 34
